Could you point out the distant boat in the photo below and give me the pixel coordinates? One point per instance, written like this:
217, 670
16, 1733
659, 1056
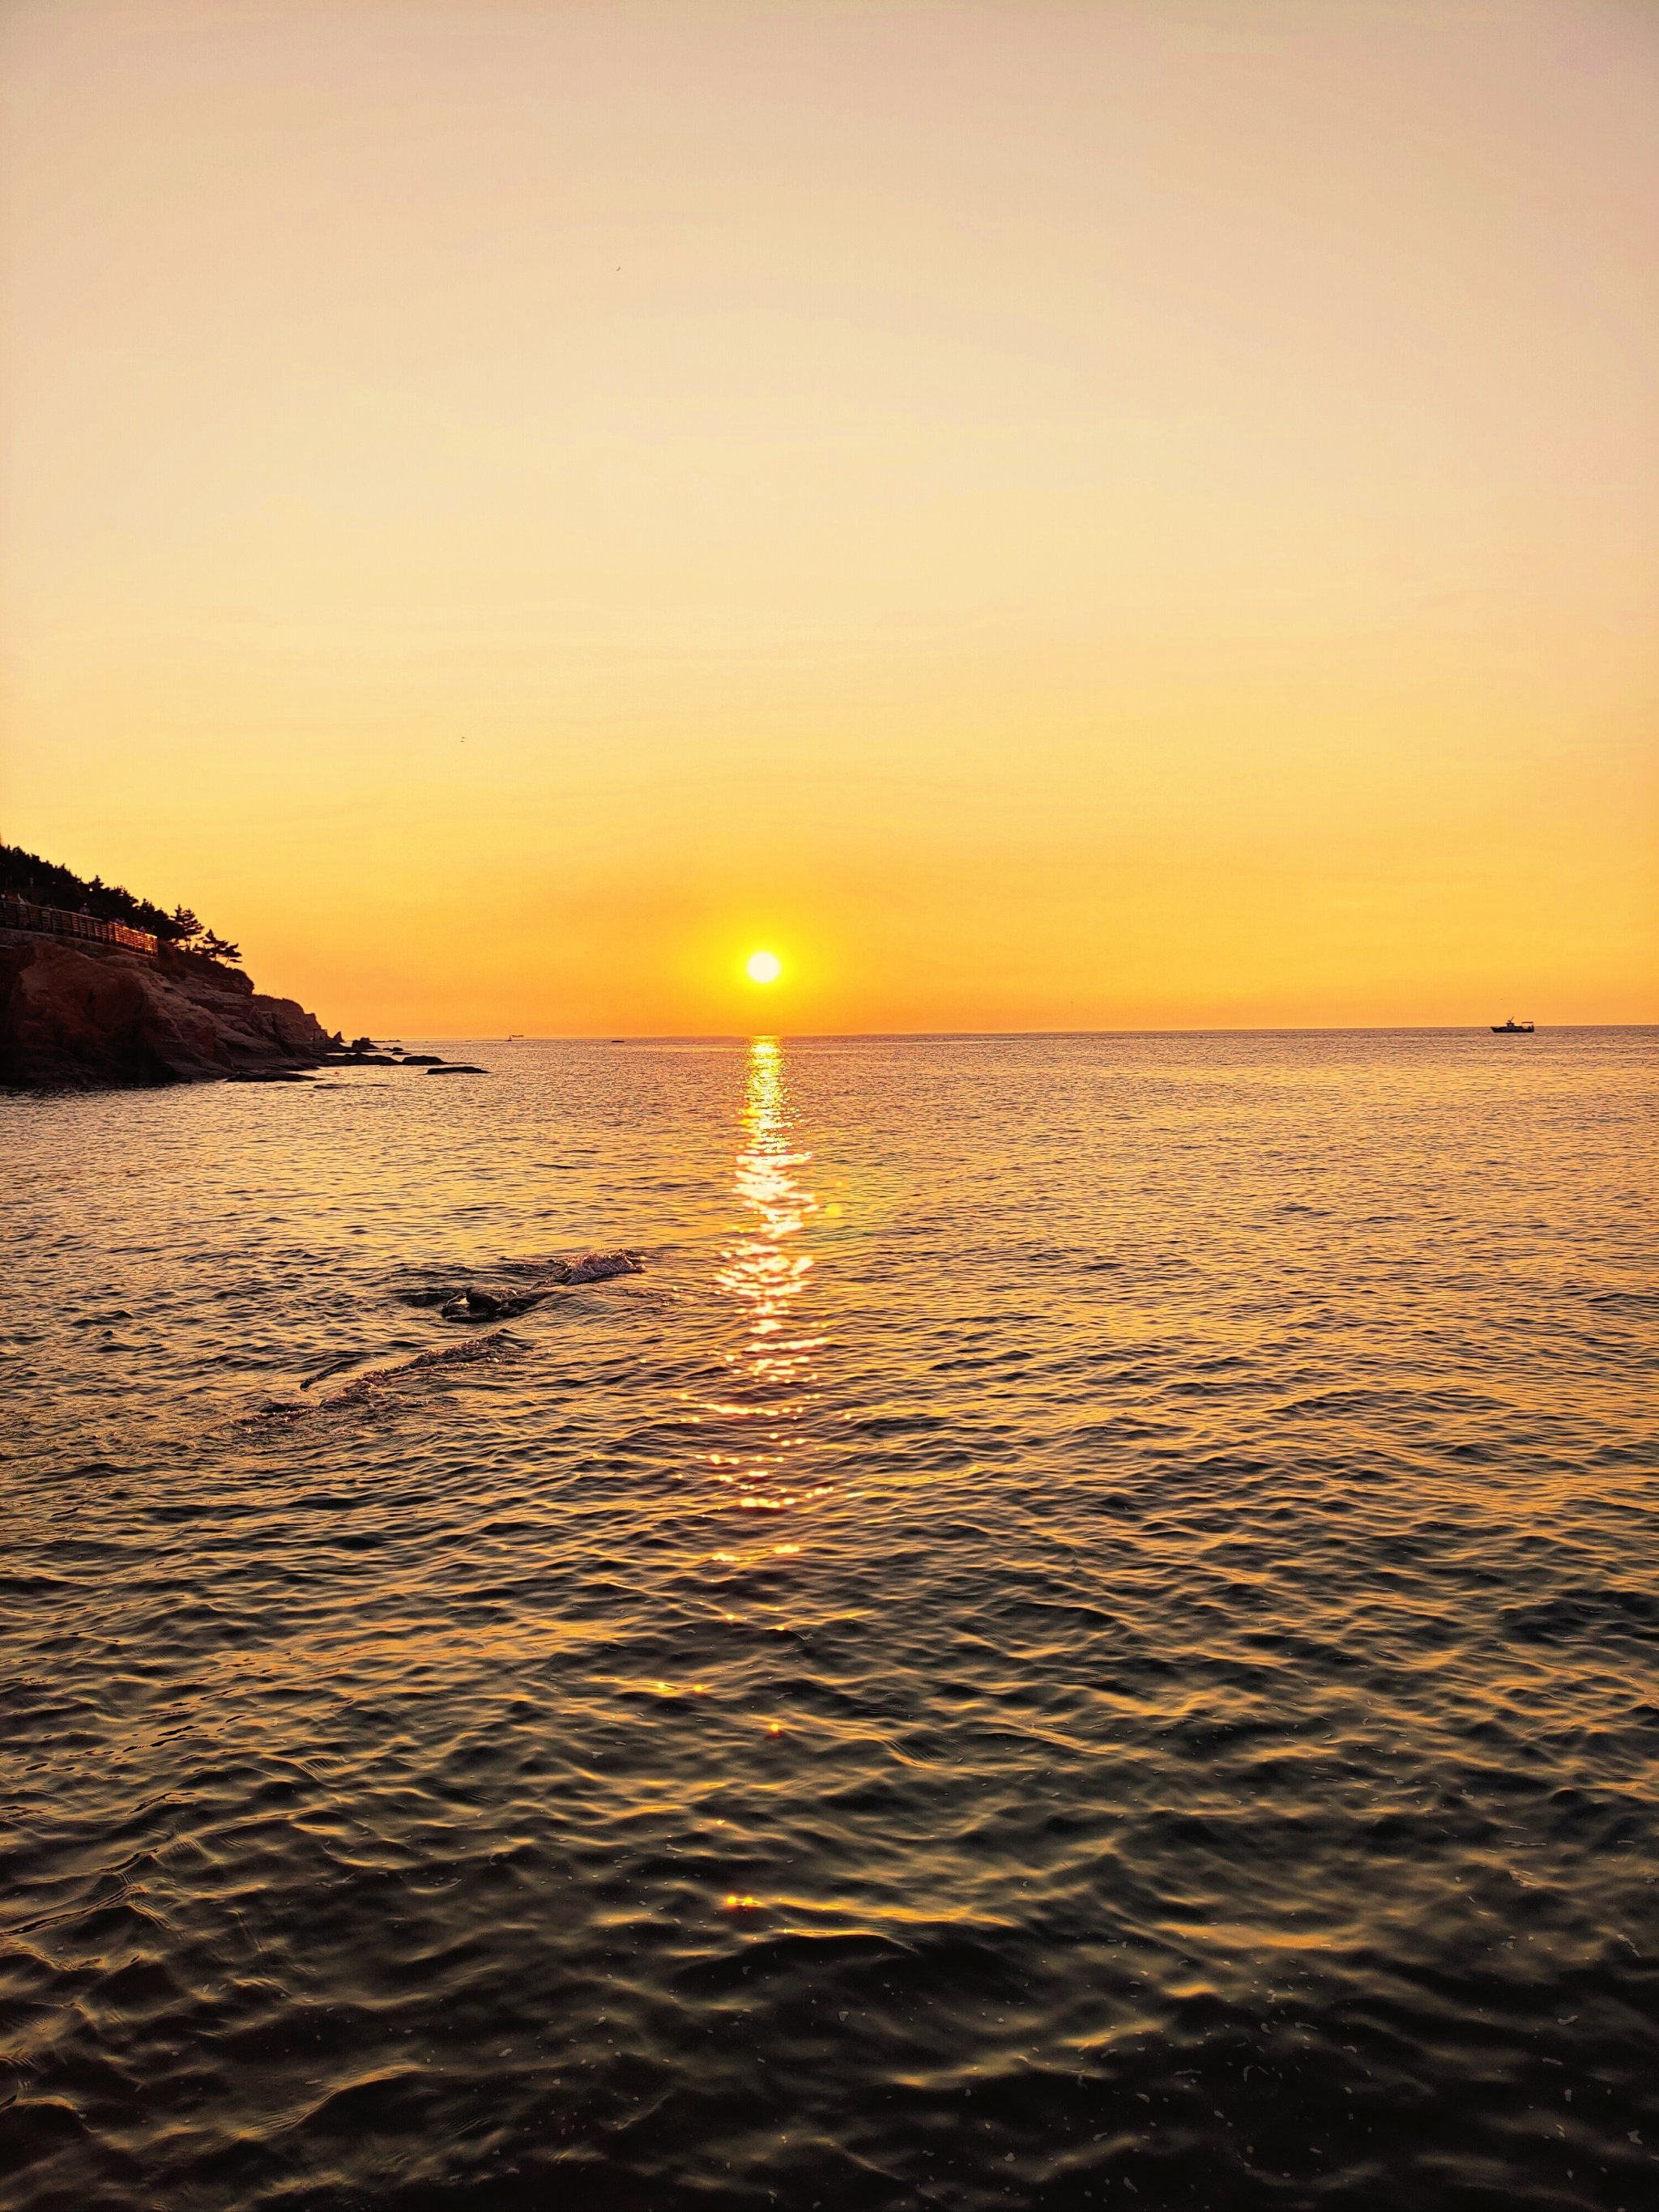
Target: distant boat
515, 1037
1511, 1028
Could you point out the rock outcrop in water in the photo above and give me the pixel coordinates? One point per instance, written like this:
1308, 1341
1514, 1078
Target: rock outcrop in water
81, 1015
501, 1300
480, 1304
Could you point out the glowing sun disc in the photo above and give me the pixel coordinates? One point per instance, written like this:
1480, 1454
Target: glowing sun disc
763, 967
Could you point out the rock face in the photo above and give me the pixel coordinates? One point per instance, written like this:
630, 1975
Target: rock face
85, 1017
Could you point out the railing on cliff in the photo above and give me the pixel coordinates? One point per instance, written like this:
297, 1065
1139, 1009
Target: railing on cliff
57, 921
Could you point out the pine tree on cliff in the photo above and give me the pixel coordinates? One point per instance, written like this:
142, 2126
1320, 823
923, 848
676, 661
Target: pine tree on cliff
44, 882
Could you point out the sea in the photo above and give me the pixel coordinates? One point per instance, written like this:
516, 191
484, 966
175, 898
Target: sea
1082, 1632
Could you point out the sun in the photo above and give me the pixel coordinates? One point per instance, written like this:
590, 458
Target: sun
763, 967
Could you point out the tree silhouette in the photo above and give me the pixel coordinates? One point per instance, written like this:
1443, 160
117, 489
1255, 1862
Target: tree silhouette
43, 883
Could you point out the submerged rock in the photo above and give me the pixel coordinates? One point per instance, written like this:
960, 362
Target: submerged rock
365, 1388
382, 1386
457, 1067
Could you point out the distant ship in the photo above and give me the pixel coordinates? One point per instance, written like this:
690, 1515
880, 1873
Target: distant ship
1511, 1028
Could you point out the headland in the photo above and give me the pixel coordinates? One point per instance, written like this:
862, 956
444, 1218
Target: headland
80, 1015
99, 989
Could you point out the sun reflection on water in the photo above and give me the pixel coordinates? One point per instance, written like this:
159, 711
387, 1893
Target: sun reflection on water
764, 1272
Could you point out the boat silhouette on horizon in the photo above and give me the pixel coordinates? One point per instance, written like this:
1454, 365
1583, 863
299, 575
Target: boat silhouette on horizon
1512, 1028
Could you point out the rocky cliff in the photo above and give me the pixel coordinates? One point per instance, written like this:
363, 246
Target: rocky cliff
81, 1015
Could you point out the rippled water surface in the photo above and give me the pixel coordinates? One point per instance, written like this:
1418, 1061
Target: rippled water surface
1083, 1634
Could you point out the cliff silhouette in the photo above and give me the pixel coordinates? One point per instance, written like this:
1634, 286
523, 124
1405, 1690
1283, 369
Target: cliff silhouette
79, 1014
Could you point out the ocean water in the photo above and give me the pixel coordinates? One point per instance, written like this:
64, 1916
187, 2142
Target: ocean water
1082, 1634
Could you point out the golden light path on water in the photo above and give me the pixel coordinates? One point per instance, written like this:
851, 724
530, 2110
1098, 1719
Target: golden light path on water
759, 1420
765, 1274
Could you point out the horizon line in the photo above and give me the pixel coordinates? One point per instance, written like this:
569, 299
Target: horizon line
848, 1037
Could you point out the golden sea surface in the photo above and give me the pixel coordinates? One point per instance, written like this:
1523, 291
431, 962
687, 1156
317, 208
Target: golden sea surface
1083, 1633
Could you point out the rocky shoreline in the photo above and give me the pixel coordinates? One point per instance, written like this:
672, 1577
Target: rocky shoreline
85, 1017
78, 1016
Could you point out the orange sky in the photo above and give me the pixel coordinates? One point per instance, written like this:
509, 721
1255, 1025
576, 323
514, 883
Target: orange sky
1124, 514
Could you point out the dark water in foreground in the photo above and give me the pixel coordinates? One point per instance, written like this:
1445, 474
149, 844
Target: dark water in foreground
1085, 1635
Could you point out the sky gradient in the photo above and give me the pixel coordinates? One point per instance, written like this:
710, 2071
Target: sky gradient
1102, 516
